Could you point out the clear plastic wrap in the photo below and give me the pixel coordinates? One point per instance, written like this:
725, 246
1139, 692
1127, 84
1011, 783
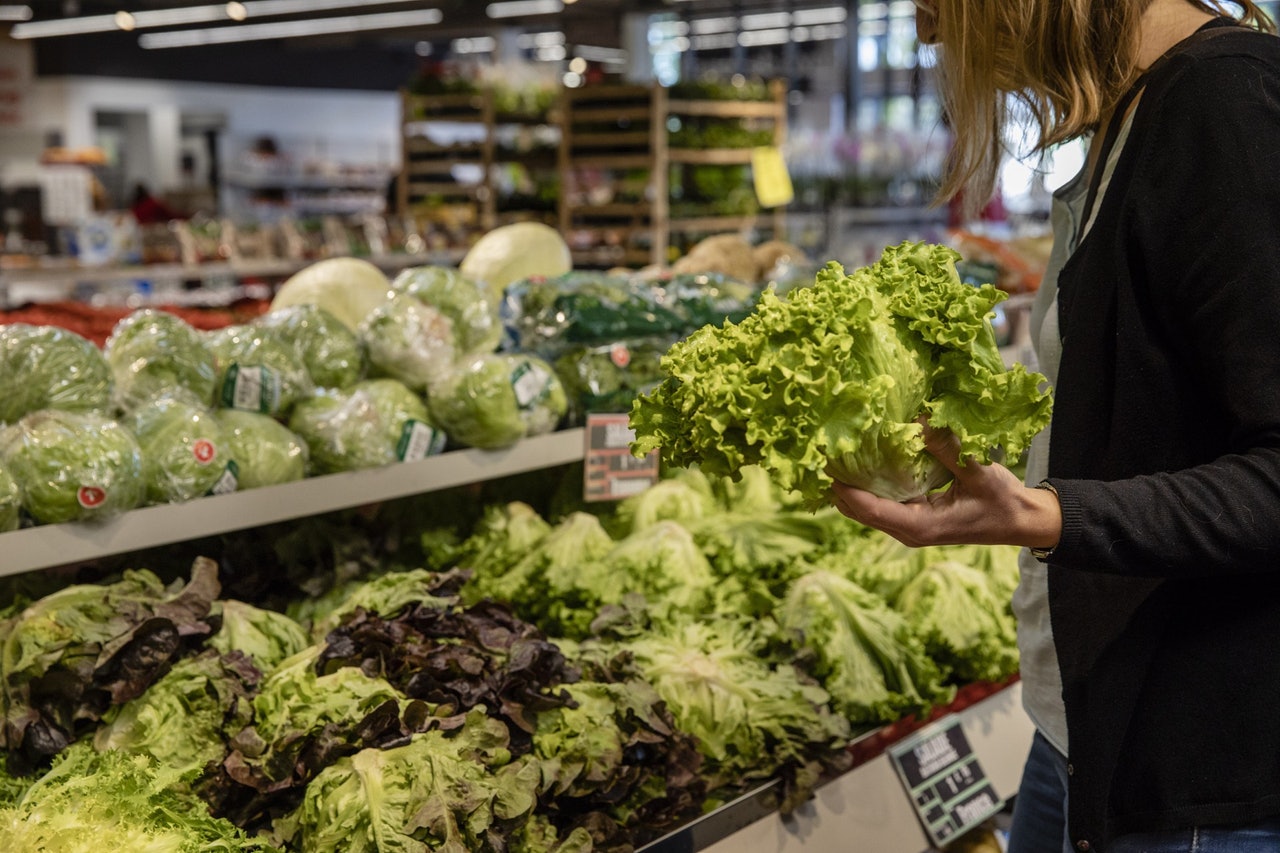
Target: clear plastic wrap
409, 341
376, 422
73, 466
331, 352
10, 500
153, 353
257, 371
608, 377
185, 454
546, 315
263, 451
45, 367
494, 400
472, 307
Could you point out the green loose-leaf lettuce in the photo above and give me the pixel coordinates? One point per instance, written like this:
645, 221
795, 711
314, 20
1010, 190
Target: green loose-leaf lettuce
66, 658
833, 382
452, 793
267, 637
153, 353
867, 656
90, 802
73, 466
45, 367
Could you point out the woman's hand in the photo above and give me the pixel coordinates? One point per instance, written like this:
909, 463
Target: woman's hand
984, 505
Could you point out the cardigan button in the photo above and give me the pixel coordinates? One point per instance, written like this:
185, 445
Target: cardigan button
1071, 770
1082, 845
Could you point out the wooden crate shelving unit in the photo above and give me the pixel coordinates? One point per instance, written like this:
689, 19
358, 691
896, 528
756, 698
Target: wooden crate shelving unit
427, 166
612, 130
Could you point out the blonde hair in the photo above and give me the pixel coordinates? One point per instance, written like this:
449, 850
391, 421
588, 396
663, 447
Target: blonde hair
1061, 63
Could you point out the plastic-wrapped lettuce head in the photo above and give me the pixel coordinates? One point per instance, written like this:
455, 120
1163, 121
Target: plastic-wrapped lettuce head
377, 422
153, 353
10, 499
73, 466
328, 348
257, 371
495, 400
263, 451
470, 305
184, 449
409, 341
45, 367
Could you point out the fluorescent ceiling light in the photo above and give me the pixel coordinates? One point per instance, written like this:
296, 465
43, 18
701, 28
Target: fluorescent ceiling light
528, 41
719, 41
290, 29
703, 26
480, 44
757, 38
766, 21
518, 8
183, 16
15, 13
825, 15
607, 55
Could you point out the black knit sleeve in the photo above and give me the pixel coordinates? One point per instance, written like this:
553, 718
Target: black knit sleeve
1201, 244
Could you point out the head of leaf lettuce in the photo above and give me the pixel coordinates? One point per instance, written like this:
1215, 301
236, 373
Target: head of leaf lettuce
833, 382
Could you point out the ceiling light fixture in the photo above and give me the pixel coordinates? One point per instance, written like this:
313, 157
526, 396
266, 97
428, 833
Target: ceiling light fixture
290, 29
235, 11
15, 13
519, 8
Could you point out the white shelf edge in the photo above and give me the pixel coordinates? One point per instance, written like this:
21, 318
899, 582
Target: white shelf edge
47, 546
867, 810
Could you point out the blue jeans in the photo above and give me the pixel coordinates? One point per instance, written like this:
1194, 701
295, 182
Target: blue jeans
1040, 808
1040, 823
1263, 837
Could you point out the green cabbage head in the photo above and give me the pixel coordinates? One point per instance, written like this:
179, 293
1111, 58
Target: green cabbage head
495, 400
73, 466
470, 305
44, 367
153, 353
184, 449
264, 451
377, 422
330, 351
10, 501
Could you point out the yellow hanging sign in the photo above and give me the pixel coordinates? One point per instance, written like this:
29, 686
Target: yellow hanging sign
773, 182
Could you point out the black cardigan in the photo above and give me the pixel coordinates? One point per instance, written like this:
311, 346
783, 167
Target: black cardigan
1165, 587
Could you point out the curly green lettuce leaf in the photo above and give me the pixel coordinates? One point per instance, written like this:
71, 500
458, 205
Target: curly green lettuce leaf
833, 383
266, 636
91, 801
867, 656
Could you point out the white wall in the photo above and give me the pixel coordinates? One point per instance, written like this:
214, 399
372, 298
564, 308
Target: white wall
356, 127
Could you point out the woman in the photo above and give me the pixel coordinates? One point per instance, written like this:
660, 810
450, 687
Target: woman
1149, 608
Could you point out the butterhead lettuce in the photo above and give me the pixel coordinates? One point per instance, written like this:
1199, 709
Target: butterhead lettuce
832, 382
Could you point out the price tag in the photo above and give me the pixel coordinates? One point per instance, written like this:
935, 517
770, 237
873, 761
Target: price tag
772, 180
948, 788
611, 473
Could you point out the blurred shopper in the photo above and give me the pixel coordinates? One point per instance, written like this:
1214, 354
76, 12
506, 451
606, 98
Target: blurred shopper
1149, 608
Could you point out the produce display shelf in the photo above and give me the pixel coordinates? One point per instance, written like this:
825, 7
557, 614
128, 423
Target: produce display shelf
247, 269
866, 809
47, 546
711, 156
724, 109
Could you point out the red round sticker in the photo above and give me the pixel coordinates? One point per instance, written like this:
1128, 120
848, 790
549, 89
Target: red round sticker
620, 355
91, 497
204, 451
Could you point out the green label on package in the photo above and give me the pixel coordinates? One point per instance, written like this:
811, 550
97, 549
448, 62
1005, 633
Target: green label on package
418, 441
251, 389
529, 381
229, 481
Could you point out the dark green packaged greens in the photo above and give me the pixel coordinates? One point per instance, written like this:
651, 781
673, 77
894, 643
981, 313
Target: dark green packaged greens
607, 377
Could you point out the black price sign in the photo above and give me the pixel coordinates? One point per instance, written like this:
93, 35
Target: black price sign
947, 786
611, 473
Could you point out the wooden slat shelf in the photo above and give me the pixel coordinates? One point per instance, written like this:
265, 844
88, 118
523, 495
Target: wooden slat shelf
618, 139
711, 156
594, 115
614, 161
725, 109
437, 188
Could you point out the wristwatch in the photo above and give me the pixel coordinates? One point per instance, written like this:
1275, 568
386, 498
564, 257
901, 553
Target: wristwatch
1043, 554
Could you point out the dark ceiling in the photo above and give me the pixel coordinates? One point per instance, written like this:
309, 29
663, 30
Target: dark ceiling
382, 60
